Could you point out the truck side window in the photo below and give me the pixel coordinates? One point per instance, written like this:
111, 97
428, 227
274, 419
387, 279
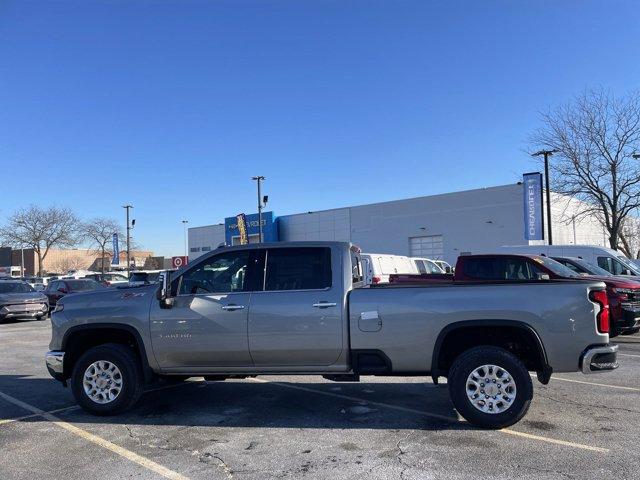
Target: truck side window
224, 273
298, 268
612, 265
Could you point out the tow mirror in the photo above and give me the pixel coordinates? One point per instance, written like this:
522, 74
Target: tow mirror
164, 293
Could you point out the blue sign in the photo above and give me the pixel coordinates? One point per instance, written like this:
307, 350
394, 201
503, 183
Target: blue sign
115, 259
269, 229
533, 217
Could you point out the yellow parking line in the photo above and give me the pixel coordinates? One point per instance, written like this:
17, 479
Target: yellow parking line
619, 387
90, 437
435, 415
33, 415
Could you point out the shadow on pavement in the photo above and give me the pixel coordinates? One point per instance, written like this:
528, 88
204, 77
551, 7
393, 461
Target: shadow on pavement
245, 403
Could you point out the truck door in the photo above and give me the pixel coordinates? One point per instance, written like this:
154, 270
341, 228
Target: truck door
207, 325
297, 319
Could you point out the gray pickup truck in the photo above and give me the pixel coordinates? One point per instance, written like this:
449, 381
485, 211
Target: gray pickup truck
303, 308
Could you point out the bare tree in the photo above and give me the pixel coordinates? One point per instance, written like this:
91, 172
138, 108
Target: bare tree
99, 233
595, 136
41, 229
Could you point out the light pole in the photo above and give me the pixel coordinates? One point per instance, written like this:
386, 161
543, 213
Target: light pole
259, 179
127, 208
184, 226
547, 154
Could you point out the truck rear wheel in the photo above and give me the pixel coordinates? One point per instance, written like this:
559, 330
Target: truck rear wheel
490, 387
107, 379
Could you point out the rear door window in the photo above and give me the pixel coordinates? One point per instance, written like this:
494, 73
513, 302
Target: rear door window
420, 266
499, 269
298, 268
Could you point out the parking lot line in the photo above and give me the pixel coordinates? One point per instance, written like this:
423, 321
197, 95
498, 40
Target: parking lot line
435, 415
628, 355
25, 417
106, 444
619, 387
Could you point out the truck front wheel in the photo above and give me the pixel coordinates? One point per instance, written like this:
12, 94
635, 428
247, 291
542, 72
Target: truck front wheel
490, 387
107, 379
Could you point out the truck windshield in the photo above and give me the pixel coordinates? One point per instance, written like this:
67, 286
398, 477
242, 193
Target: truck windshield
556, 267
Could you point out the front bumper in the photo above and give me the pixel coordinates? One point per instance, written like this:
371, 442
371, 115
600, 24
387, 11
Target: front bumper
23, 310
55, 364
601, 358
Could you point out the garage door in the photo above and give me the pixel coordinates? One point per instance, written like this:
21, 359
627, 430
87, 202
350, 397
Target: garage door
429, 246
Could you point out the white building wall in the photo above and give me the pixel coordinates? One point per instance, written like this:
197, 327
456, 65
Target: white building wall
325, 225
204, 239
473, 221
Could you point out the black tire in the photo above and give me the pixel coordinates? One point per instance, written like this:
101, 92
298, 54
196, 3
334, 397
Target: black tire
476, 357
132, 378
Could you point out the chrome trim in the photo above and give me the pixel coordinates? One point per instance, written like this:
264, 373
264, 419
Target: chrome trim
325, 304
233, 307
587, 357
55, 361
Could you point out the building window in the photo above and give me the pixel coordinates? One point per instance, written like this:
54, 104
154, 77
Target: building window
428, 246
194, 249
206, 249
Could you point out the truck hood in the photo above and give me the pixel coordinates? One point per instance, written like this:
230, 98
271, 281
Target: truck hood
112, 294
616, 282
19, 298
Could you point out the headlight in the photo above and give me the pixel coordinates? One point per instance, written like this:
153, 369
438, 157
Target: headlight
58, 308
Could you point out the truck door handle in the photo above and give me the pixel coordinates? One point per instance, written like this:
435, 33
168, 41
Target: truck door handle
324, 304
231, 307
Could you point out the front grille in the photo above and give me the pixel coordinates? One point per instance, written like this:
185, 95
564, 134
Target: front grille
26, 307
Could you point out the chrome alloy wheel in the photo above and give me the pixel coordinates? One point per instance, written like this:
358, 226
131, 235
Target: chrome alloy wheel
102, 381
491, 389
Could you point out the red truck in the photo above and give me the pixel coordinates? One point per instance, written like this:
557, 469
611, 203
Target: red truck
623, 294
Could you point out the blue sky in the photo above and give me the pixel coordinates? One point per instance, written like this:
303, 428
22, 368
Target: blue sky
173, 105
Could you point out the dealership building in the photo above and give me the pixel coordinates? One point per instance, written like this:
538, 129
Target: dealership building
435, 226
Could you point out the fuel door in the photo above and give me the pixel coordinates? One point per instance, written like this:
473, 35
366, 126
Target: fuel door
370, 321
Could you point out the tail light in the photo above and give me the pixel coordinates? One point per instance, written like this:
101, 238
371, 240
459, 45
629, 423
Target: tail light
602, 317
376, 279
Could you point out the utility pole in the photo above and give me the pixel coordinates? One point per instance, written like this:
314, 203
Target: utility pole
22, 263
547, 154
127, 208
259, 179
184, 225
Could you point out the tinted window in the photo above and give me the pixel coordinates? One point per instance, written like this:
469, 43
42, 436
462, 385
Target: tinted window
570, 265
500, 269
15, 287
420, 266
298, 269
611, 265
222, 273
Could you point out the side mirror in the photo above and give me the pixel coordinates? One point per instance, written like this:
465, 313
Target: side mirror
164, 292
447, 269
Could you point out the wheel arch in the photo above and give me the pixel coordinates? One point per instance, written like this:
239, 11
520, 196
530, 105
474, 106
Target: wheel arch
80, 338
525, 340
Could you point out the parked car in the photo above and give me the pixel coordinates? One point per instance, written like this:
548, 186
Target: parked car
58, 289
18, 300
145, 277
444, 266
108, 279
623, 292
425, 265
378, 267
303, 308
607, 258
37, 283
